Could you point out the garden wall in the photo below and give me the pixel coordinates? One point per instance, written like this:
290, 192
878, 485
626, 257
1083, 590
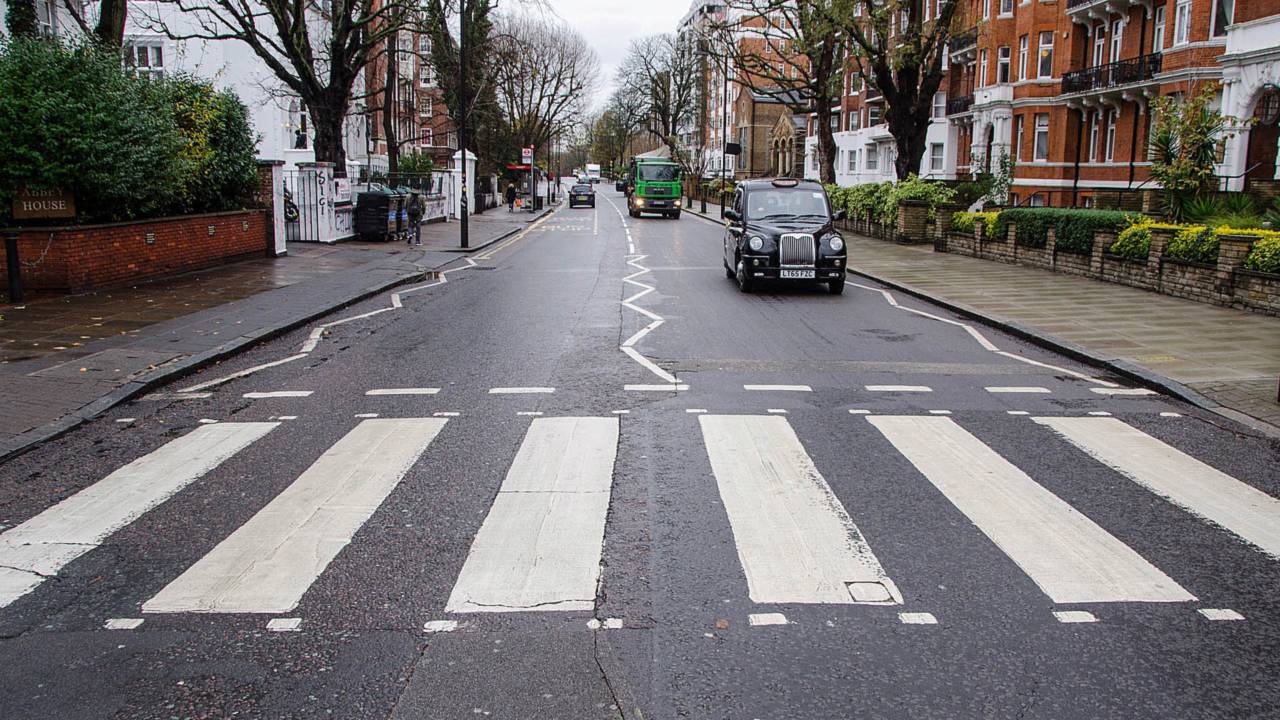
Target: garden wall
87, 257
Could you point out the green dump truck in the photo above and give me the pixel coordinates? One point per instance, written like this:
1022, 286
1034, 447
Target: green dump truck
654, 186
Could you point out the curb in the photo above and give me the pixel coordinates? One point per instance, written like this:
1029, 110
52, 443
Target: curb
1124, 368
180, 368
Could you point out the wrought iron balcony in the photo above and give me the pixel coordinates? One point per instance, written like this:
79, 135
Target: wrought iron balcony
1112, 75
1078, 3
964, 40
958, 105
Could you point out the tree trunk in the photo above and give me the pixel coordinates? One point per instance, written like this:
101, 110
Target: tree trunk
826, 143
21, 18
388, 106
909, 132
329, 135
110, 29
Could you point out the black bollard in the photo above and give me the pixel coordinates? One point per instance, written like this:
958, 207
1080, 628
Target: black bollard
15, 270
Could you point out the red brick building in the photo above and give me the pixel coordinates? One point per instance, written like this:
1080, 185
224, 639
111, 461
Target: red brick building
419, 116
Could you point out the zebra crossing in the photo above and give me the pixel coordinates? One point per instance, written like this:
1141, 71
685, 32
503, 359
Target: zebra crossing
539, 547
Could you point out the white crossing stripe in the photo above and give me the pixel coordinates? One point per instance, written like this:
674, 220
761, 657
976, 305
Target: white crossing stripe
278, 394
917, 618
779, 388
44, 544
267, 564
767, 619
539, 547
1177, 477
1220, 614
1074, 616
1070, 557
1018, 389
899, 388
403, 391
795, 540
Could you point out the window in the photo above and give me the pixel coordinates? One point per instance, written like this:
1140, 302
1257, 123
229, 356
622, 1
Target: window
1117, 34
873, 157
428, 136
939, 105
1020, 138
1022, 58
1182, 23
1099, 44
986, 9
1006, 7
854, 117
47, 16
1013, 199
1036, 200
853, 161
1112, 118
1002, 64
1157, 37
146, 59
935, 157
982, 68
1222, 11
835, 122
873, 115
1042, 138
1045, 68
1093, 136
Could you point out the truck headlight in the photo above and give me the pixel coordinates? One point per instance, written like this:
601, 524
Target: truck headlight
639, 202
837, 243
756, 243
677, 203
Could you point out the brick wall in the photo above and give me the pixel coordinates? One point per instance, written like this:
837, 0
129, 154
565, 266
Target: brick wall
77, 259
1188, 280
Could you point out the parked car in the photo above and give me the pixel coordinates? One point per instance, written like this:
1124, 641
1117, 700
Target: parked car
783, 229
620, 185
583, 194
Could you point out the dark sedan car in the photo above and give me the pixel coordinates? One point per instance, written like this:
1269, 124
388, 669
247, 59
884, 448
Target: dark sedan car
783, 229
582, 194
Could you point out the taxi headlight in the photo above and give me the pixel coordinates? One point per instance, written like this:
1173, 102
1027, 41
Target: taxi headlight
837, 243
756, 243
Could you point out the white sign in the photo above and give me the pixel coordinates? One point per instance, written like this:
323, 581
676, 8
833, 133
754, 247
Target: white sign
342, 190
526, 155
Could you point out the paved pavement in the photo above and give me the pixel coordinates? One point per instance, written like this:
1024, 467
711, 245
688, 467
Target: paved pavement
65, 357
580, 475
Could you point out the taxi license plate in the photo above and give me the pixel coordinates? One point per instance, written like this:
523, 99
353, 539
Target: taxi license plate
797, 275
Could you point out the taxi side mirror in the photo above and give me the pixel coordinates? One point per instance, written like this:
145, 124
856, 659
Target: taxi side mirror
838, 215
731, 214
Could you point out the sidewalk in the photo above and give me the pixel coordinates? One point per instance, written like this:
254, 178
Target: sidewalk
65, 359
1220, 358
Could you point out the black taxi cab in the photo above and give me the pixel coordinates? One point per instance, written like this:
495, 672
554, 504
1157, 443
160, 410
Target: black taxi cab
783, 229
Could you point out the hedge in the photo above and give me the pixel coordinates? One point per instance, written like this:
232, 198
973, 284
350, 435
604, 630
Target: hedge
965, 221
1265, 255
1073, 228
1134, 242
1194, 243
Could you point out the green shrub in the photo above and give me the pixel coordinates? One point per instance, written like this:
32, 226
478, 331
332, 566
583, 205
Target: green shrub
1133, 243
913, 188
1073, 228
127, 147
1195, 243
1265, 255
965, 221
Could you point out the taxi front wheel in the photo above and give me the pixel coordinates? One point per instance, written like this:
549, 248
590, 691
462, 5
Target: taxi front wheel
745, 283
836, 287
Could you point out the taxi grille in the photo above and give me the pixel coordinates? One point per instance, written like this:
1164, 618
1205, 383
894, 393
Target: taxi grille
796, 249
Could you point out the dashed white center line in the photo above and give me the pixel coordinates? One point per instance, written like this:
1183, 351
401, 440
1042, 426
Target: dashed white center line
530, 413
767, 619
917, 618
695, 410
899, 388
1163, 414
284, 624
1122, 391
122, 624
1017, 412
1220, 614
1074, 616
445, 414
435, 626
521, 390
778, 388
939, 412
859, 411
278, 394
404, 391
656, 388
1016, 389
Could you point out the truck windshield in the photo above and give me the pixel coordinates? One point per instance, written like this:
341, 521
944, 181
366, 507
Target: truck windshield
659, 173
781, 203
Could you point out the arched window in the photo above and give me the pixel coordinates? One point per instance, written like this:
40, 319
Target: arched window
1267, 110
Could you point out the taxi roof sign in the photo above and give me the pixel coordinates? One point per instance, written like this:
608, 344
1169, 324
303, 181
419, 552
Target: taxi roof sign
785, 182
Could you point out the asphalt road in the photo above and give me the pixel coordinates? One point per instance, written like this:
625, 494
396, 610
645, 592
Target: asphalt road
833, 516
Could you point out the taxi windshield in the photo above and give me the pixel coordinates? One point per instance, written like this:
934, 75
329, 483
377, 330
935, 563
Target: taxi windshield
659, 173
780, 203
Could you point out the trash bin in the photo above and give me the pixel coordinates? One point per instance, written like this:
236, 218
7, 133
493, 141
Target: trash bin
376, 214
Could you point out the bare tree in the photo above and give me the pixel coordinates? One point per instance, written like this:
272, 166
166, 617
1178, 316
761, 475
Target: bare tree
791, 51
662, 71
544, 73
487, 130
899, 52
316, 50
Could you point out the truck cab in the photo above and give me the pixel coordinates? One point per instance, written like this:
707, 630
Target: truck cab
654, 186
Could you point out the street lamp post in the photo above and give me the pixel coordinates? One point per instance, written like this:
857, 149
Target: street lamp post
724, 135
462, 116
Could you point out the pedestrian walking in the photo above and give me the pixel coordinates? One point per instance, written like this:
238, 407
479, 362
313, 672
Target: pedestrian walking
511, 197
416, 211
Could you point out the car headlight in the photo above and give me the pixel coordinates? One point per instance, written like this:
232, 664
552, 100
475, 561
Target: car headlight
756, 243
837, 242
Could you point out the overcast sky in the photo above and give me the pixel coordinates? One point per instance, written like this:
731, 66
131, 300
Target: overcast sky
609, 26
